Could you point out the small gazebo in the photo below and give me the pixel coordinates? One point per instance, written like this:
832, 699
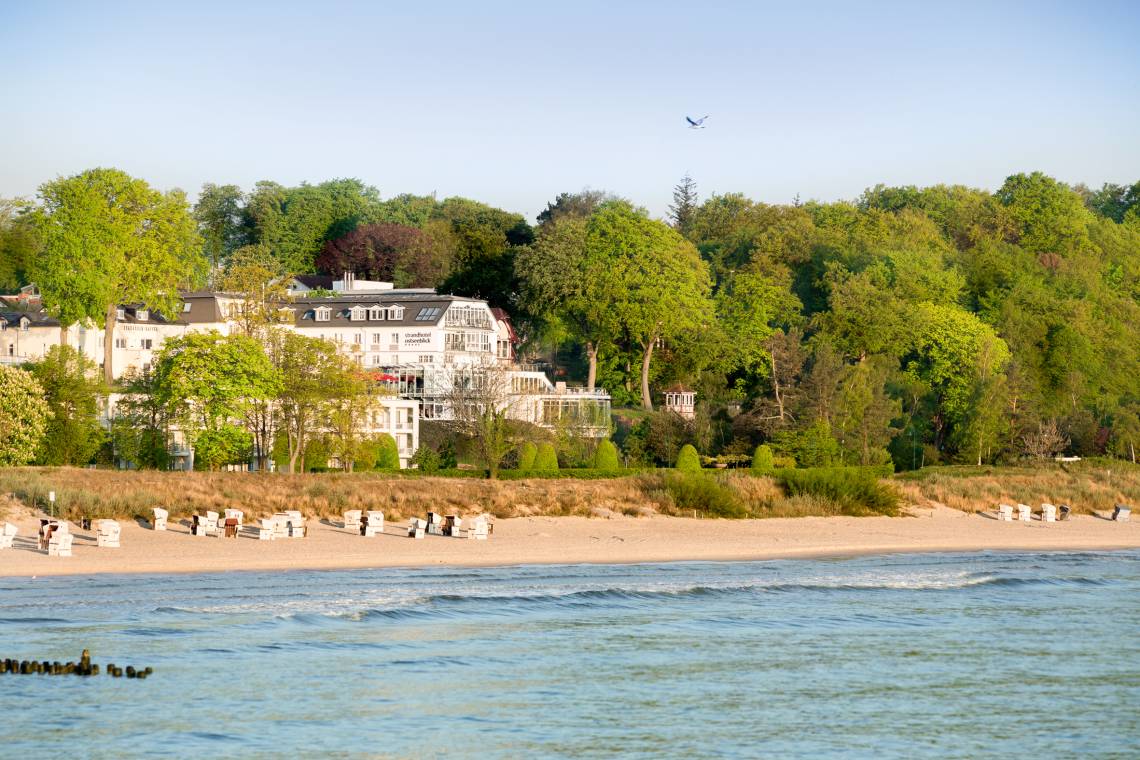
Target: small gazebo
681, 401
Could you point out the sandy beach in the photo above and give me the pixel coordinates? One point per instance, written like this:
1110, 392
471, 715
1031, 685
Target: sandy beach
546, 540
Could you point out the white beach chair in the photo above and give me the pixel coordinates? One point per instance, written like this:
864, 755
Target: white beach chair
198, 525
452, 525
416, 527
352, 520
1122, 513
212, 523
280, 525
7, 535
59, 545
160, 517
435, 523
294, 524
267, 530
1005, 513
375, 526
1048, 513
477, 530
1024, 513
108, 534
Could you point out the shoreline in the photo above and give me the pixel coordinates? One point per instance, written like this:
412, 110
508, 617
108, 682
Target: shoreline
566, 541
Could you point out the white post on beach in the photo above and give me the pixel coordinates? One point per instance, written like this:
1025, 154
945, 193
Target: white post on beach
51, 498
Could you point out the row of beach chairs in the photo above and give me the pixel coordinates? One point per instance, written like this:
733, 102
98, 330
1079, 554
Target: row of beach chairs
1051, 513
371, 523
56, 538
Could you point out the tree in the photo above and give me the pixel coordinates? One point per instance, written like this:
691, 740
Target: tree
72, 389
684, 204
351, 400
24, 416
208, 383
109, 239
750, 306
528, 452
481, 402
220, 214
1050, 217
660, 284
139, 424
377, 251
19, 241
578, 205
388, 453
762, 459
866, 410
252, 273
305, 365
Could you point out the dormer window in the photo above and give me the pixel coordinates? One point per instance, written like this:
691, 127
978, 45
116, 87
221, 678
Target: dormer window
120, 313
142, 315
25, 323
395, 312
186, 307
285, 314
322, 313
376, 312
358, 313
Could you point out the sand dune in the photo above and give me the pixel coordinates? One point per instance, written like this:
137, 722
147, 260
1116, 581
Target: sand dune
537, 540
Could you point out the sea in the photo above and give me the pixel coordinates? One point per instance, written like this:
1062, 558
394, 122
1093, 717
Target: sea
920, 655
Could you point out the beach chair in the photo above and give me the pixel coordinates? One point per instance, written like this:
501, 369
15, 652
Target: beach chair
352, 520
478, 529
160, 516
1122, 513
416, 527
1048, 513
198, 525
435, 523
1024, 513
452, 525
7, 535
212, 523
280, 525
108, 534
235, 514
267, 530
373, 523
59, 545
294, 524
1005, 513
1066, 512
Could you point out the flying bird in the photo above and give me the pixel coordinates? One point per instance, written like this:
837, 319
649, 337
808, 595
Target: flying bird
696, 123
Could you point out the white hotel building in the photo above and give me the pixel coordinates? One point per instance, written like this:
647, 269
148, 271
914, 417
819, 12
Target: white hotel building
416, 341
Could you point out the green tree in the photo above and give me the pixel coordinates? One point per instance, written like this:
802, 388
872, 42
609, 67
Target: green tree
24, 416
109, 239
387, 453
220, 213
19, 241
72, 389
866, 411
762, 459
684, 204
208, 383
139, 423
305, 365
1050, 217
688, 460
222, 445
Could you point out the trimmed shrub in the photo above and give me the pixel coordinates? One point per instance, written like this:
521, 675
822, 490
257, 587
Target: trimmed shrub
762, 459
546, 458
527, 455
387, 453
856, 490
606, 456
426, 460
688, 460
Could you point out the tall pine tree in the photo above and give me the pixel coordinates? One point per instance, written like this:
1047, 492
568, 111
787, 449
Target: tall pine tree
684, 204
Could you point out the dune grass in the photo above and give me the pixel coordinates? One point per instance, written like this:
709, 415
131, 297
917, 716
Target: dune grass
1089, 486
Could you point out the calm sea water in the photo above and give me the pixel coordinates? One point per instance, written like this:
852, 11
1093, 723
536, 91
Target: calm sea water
969, 655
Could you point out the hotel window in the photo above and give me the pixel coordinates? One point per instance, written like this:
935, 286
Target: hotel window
376, 338
395, 312
120, 342
426, 358
395, 358
120, 313
428, 314
453, 341
146, 344
186, 308
358, 313
394, 341
376, 312
322, 313
358, 339
142, 315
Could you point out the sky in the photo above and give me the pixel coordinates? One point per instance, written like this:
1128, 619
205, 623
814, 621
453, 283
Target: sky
513, 103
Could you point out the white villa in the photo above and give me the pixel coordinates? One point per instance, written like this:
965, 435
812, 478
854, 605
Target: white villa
416, 342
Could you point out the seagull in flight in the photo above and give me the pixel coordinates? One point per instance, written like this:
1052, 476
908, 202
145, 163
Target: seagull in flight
696, 123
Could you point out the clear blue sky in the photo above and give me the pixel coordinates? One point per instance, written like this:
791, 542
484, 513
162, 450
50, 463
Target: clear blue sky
512, 103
